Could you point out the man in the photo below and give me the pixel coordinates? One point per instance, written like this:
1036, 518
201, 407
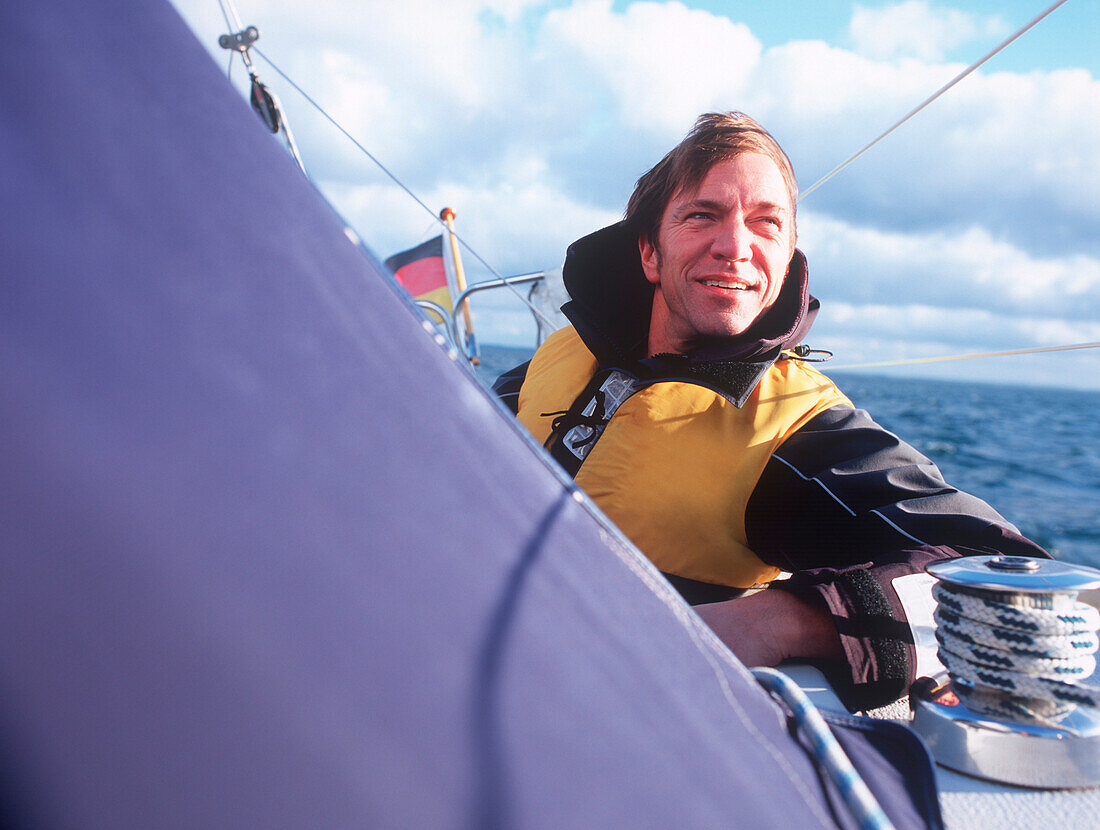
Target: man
679, 401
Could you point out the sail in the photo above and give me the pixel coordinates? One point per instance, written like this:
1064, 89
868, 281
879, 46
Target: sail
221, 428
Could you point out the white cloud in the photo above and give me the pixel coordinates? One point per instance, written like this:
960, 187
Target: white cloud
663, 63
813, 80
915, 29
915, 338
520, 227
964, 269
938, 331
1015, 153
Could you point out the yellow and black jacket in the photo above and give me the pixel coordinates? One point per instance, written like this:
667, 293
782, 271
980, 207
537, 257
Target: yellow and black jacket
737, 461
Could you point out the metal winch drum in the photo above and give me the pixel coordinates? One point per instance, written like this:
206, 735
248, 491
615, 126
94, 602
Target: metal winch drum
1020, 703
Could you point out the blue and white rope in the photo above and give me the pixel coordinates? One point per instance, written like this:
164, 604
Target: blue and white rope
827, 750
1035, 647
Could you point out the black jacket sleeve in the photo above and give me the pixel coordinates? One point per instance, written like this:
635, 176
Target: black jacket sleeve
507, 386
847, 507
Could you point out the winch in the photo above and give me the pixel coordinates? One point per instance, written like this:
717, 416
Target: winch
1019, 703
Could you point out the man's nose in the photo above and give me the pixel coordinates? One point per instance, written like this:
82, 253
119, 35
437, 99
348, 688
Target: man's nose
733, 241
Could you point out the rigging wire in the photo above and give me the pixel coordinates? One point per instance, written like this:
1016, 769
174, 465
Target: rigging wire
234, 24
1000, 47
928, 101
229, 27
912, 361
402, 185
263, 101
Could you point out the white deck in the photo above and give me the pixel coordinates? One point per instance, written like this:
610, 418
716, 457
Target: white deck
970, 802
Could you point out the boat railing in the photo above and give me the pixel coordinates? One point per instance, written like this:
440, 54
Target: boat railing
452, 322
440, 312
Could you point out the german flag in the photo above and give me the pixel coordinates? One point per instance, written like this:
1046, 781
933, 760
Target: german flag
423, 272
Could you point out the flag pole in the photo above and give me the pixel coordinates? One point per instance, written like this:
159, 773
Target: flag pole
448, 217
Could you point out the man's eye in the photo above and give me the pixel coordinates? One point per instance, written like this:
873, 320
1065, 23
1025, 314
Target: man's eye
771, 220
699, 214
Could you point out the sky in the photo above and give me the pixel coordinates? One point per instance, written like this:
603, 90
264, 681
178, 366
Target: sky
972, 228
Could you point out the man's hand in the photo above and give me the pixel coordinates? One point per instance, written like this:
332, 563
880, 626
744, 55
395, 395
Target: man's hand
770, 626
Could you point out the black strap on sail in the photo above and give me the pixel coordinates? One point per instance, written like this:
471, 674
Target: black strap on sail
265, 106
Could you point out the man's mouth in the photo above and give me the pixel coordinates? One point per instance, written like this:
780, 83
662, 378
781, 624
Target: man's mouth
735, 285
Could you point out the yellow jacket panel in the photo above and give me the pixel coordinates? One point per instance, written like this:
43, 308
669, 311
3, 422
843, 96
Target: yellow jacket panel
677, 462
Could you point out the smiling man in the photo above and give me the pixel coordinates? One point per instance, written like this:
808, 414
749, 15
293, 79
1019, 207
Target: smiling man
725, 248
680, 401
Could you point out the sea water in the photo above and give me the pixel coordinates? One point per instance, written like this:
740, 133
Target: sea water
1032, 453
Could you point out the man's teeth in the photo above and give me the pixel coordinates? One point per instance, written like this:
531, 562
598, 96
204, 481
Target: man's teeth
719, 284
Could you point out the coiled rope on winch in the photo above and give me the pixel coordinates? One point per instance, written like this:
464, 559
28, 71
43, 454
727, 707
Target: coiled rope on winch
1018, 654
1019, 707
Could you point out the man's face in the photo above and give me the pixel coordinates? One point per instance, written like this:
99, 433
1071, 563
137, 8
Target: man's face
723, 254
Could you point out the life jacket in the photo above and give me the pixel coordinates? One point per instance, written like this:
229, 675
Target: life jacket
672, 462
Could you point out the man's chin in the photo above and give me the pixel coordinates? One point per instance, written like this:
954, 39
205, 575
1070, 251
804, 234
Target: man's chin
729, 326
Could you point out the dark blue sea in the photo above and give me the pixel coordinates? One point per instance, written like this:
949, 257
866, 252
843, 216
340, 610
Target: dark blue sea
1033, 454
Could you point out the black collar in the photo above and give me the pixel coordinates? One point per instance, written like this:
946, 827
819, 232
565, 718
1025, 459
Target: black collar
611, 302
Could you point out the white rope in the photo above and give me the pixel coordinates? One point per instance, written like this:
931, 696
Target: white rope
1024, 654
235, 26
927, 101
229, 10
913, 361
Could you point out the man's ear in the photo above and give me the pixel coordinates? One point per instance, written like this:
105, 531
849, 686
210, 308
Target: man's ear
651, 259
